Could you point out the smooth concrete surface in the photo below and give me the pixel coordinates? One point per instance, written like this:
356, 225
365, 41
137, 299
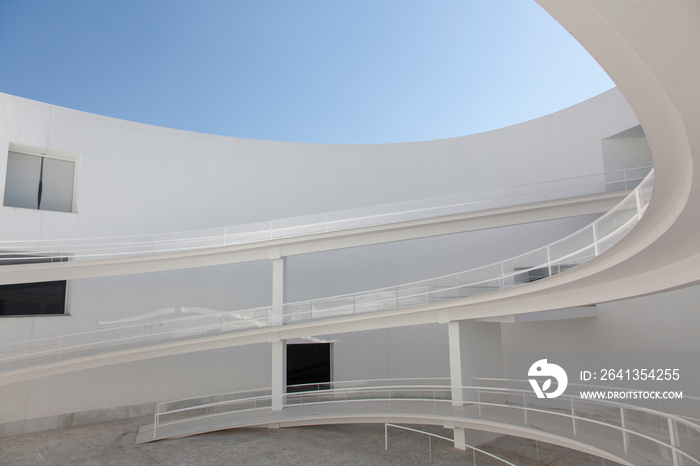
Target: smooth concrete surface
112, 443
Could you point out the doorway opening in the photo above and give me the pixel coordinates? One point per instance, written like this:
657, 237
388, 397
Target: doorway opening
308, 363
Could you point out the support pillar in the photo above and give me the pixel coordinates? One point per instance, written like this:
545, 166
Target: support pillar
279, 290
460, 438
459, 435
455, 363
279, 374
279, 346
475, 351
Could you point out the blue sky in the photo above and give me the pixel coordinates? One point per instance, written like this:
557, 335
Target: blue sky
296, 70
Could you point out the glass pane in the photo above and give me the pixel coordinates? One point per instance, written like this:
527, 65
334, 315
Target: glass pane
22, 180
33, 298
57, 185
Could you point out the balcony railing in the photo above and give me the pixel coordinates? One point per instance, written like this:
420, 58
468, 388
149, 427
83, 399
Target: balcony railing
635, 434
543, 262
59, 250
431, 435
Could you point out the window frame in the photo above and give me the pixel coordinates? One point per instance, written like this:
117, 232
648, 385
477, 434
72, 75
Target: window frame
51, 154
63, 284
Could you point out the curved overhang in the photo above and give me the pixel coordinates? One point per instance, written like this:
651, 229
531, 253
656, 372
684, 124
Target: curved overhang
652, 52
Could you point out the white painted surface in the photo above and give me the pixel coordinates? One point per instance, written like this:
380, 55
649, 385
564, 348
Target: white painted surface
138, 179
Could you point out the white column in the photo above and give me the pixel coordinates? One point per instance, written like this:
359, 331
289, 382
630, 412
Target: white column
279, 290
456, 378
459, 438
279, 374
455, 363
279, 346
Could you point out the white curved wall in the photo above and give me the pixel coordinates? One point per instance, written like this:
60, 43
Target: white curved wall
137, 179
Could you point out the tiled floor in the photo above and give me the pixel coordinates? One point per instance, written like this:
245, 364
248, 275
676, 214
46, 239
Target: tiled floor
112, 443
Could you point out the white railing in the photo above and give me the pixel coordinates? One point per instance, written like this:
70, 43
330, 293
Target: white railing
181, 403
59, 250
688, 407
543, 262
431, 435
636, 434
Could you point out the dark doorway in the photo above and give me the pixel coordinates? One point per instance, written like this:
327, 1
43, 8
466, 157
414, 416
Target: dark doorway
308, 363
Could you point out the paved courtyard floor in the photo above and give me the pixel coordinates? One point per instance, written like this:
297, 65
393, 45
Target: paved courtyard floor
112, 443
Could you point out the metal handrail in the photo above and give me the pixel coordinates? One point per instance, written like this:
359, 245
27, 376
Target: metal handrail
407, 393
599, 238
442, 437
570, 384
335, 384
58, 250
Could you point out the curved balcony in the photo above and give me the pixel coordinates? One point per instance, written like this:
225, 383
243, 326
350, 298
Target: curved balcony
543, 262
78, 249
620, 432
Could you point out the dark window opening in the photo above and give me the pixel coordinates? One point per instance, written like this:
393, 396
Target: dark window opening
28, 299
527, 275
308, 364
13, 258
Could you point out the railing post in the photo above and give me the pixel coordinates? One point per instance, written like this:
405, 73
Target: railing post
595, 240
386, 436
672, 436
638, 200
478, 400
623, 424
573, 416
549, 261
430, 447
525, 408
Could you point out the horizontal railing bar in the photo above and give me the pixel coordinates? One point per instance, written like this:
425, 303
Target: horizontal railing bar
608, 387
182, 400
451, 441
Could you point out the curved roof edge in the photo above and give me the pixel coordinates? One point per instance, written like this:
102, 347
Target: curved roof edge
652, 52
582, 106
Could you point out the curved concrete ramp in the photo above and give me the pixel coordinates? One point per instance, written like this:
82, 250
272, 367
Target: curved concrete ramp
594, 427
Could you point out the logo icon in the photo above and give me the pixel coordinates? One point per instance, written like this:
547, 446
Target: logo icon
543, 369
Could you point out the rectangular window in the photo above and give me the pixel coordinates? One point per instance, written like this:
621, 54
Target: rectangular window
28, 299
39, 182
